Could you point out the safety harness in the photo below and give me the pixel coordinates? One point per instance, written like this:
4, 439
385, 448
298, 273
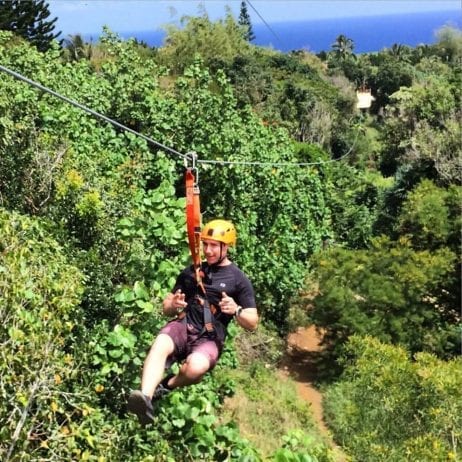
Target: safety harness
193, 226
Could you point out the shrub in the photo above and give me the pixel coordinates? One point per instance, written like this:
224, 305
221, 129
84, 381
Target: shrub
387, 407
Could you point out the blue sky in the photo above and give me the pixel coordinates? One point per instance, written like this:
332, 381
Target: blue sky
89, 16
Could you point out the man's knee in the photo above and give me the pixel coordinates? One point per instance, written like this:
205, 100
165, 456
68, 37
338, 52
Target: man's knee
196, 366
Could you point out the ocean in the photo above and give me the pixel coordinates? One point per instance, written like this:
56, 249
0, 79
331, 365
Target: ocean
369, 33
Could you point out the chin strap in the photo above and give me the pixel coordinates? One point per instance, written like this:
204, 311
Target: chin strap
220, 260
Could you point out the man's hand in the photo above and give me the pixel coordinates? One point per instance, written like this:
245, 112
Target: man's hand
174, 303
248, 318
178, 301
228, 305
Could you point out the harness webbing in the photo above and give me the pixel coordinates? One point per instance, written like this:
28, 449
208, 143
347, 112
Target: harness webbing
193, 226
193, 221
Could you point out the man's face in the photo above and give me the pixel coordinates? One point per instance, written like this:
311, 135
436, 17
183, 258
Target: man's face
213, 250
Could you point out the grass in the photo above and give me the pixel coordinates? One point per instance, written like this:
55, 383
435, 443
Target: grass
266, 405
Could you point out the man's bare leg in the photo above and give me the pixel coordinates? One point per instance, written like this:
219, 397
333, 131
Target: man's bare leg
154, 364
139, 402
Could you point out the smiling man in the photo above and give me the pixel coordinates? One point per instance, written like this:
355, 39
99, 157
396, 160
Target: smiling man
196, 335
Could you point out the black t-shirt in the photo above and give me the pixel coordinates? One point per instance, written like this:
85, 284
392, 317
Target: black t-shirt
217, 279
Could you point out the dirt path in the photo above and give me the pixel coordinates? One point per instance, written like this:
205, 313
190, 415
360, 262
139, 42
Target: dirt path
300, 364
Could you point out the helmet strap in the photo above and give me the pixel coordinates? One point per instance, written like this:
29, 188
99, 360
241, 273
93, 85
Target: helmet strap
220, 260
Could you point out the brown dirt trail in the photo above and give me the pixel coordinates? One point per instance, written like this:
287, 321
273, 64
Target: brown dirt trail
300, 364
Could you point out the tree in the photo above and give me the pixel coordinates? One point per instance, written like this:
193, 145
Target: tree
342, 58
343, 47
449, 44
400, 52
389, 77
29, 19
35, 303
424, 216
390, 406
217, 42
244, 20
422, 128
76, 48
389, 291
354, 201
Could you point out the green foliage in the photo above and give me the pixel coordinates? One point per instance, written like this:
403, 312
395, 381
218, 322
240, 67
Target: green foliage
387, 407
84, 274
421, 128
431, 100
431, 218
309, 110
343, 47
389, 291
252, 79
308, 105
88, 177
193, 431
389, 75
287, 90
152, 234
354, 201
299, 447
39, 295
216, 42
425, 217
449, 44
114, 352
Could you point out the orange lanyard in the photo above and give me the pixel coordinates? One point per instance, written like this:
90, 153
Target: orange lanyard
193, 221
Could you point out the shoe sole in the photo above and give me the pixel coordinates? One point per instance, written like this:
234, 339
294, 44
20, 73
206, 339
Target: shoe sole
137, 405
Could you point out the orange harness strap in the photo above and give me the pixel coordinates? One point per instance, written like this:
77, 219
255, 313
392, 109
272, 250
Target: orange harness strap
193, 221
193, 226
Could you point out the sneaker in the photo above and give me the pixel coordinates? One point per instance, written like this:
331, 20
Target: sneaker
160, 392
140, 405
163, 388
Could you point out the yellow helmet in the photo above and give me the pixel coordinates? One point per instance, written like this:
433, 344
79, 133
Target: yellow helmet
221, 231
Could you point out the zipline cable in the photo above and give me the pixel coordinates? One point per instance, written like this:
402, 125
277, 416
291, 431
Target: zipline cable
264, 22
277, 164
92, 112
189, 156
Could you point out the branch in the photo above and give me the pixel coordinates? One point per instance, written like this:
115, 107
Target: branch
22, 420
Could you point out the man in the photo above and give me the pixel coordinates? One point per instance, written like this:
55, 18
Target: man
228, 295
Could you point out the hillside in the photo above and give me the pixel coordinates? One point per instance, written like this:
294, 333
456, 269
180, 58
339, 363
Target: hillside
347, 219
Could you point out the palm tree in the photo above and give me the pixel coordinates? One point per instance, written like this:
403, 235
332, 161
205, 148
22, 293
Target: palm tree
343, 47
400, 52
77, 48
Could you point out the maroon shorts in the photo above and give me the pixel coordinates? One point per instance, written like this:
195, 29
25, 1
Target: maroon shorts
188, 340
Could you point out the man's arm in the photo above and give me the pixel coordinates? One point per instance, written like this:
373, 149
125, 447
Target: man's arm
247, 318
